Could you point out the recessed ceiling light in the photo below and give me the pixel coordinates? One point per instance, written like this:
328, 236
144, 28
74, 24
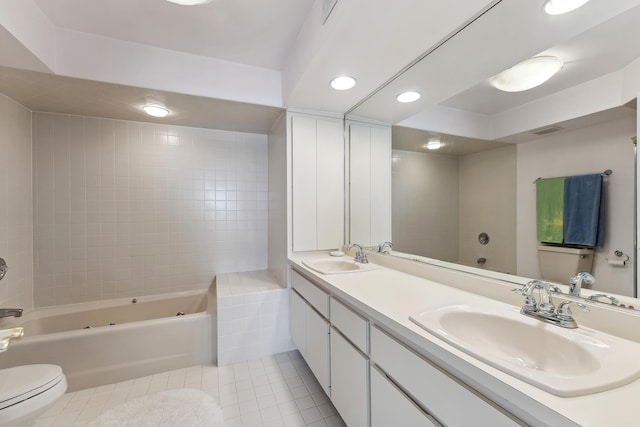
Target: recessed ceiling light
527, 74
343, 83
558, 7
409, 96
155, 110
190, 2
433, 144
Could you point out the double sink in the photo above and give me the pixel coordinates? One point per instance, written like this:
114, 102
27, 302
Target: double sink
564, 362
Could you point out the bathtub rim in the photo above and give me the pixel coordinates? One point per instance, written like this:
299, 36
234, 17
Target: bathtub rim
45, 312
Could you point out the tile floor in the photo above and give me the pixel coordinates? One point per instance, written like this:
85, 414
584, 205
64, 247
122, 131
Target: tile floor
274, 391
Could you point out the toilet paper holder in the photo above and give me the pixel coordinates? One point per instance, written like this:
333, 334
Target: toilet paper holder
621, 262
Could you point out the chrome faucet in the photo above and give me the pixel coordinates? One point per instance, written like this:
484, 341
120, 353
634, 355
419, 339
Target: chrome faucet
578, 280
544, 309
8, 312
360, 257
381, 247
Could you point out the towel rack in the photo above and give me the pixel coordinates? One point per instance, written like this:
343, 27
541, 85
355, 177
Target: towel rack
605, 173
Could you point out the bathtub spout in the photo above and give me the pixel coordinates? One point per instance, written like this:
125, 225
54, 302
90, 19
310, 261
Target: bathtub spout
8, 312
7, 335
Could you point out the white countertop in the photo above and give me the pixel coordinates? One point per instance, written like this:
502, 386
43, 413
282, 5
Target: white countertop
388, 296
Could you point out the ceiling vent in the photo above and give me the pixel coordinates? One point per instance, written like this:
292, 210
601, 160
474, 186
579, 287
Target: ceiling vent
546, 130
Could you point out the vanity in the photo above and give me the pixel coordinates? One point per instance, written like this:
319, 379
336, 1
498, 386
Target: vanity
380, 368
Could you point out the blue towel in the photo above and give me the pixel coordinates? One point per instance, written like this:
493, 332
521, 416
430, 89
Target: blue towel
583, 211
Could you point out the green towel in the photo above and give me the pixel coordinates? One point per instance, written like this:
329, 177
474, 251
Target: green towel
550, 210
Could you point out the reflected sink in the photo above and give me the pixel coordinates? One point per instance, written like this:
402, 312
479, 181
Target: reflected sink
337, 265
564, 362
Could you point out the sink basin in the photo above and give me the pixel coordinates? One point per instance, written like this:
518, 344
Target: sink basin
337, 265
564, 362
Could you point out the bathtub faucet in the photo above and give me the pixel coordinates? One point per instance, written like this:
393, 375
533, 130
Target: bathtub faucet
8, 312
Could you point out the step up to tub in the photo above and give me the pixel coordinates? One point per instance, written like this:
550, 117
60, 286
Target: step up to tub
253, 316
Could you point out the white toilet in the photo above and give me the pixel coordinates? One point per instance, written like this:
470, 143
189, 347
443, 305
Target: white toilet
27, 391
558, 264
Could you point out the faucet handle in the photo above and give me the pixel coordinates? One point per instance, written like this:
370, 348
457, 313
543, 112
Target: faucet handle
612, 300
565, 311
381, 247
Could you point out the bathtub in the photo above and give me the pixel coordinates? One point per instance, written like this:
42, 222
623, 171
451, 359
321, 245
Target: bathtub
104, 342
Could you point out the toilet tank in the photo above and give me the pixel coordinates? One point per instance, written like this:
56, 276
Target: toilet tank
559, 264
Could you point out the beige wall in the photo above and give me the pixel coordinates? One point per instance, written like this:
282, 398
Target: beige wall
126, 208
278, 199
488, 204
588, 150
16, 213
425, 204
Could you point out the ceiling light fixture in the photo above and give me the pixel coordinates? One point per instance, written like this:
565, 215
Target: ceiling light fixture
433, 144
190, 2
527, 74
410, 96
155, 110
343, 83
558, 7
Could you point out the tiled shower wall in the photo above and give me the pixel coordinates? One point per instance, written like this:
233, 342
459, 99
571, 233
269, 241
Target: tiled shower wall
125, 208
16, 214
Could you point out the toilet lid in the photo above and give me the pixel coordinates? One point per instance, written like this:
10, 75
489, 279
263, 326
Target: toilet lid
23, 382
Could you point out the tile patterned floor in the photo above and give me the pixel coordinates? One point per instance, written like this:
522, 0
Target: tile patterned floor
274, 391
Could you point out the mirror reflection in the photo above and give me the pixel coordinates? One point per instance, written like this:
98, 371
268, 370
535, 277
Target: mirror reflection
446, 191
582, 121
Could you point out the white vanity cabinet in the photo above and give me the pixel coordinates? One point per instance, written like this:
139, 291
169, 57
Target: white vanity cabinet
374, 378
317, 182
370, 183
439, 396
349, 365
309, 325
390, 406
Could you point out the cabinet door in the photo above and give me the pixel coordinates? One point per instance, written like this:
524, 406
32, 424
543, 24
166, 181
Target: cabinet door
317, 347
370, 183
390, 406
304, 181
317, 182
349, 381
297, 308
330, 184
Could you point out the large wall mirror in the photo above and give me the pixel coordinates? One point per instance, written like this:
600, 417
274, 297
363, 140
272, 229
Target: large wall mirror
472, 200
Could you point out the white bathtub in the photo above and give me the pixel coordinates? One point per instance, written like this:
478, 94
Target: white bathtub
148, 337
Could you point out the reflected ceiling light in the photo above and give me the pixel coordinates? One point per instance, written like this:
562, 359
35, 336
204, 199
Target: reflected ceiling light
343, 83
558, 7
155, 110
190, 2
527, 74
409, 96
433, 144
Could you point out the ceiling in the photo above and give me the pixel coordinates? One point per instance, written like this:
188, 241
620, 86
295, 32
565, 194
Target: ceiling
253, 32
600, 50
409, 139
595, 40
56, 94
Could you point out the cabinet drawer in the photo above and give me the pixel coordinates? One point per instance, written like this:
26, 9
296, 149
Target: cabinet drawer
315, 296
390, 407
436, 392
351, 325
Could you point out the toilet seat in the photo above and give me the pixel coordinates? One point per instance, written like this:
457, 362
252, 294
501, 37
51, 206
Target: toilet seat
27, 391
23, 382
